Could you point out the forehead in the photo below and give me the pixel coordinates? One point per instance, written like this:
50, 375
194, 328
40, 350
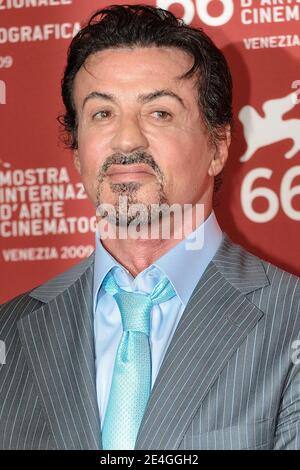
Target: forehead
134, 70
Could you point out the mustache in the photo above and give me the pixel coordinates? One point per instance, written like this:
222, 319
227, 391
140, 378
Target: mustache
138, 156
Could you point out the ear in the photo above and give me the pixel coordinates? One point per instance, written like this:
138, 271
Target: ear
76, 161
221, 152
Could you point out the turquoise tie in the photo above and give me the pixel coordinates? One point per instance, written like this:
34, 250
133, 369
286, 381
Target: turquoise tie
131, 381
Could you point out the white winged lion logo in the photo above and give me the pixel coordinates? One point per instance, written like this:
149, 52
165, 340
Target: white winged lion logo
260, 131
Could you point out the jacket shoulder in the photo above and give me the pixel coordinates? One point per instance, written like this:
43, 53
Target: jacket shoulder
255, 276
282, 281
13, 310
27, 302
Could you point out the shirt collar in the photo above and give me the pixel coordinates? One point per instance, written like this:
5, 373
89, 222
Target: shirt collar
104, 262
182, 266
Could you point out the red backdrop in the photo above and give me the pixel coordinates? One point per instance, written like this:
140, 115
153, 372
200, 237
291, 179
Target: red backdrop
46, 220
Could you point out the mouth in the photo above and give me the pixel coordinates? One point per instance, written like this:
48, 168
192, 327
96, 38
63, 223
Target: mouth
129, 172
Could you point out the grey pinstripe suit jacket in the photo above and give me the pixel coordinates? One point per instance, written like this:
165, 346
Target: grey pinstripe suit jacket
227, 381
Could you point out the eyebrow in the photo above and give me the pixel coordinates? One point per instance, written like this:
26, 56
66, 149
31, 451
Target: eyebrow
142, 98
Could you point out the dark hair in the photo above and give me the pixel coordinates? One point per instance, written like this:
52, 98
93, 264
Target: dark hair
141, 25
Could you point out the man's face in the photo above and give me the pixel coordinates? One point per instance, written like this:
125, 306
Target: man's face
140, 129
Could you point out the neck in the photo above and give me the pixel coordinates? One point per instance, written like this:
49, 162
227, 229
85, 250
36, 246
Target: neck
137, 255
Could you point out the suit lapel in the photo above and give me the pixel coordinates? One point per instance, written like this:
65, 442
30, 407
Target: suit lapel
59, 346
217, 319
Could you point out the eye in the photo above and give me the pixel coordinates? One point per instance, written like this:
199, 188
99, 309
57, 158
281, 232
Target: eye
101, 115
162, 115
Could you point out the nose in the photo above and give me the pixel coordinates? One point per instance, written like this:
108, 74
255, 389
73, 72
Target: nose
129, 136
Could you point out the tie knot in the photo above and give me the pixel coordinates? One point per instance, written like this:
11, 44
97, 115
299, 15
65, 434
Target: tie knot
135, 307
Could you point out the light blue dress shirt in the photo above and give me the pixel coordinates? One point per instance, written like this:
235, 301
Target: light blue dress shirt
183, 267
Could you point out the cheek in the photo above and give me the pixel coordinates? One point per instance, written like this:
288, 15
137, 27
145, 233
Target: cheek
90, 166
91, 152
184, 158
187, 167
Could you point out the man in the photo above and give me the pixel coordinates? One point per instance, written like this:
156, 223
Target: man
149, 343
